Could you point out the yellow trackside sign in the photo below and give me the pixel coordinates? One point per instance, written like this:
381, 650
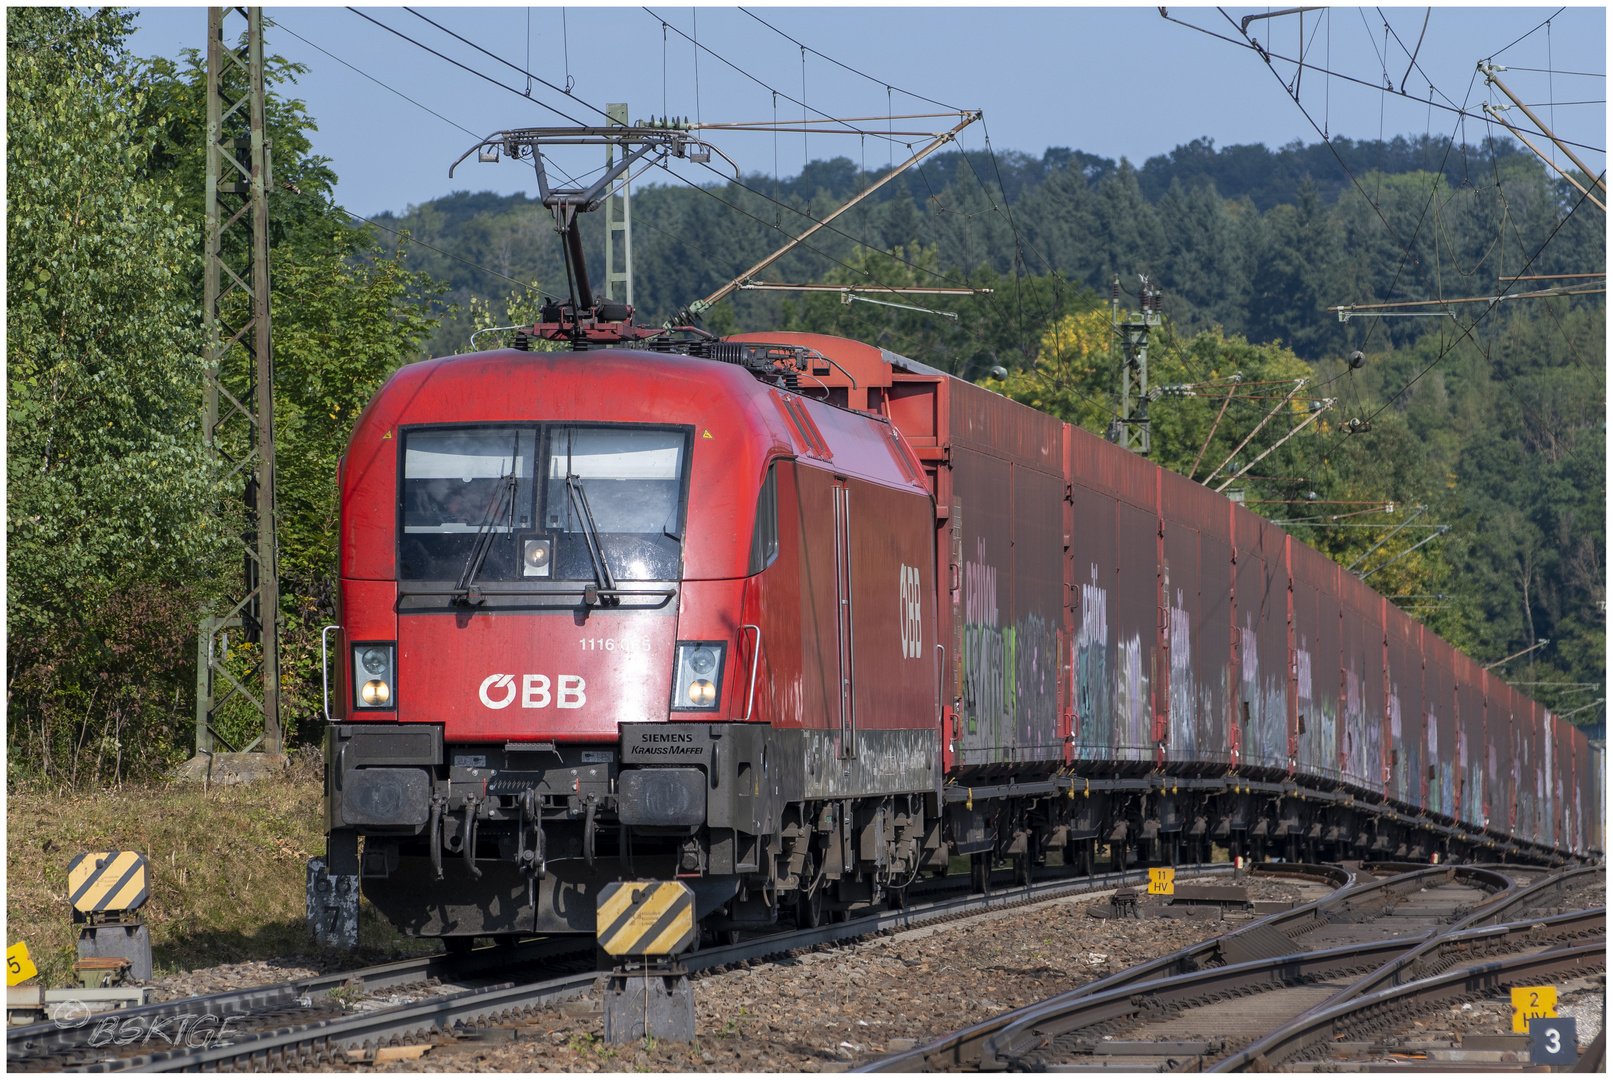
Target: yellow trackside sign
1532, 1003
19, 967
1162, 881
107, 881
645, 918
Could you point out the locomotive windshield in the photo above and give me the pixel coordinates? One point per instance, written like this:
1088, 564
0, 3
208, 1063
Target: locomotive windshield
458, 481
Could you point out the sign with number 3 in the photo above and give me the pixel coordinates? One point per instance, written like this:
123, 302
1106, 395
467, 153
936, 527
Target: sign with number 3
1553, 1041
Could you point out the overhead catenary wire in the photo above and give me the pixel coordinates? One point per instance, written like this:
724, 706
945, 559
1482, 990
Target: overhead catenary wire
1268, 54
837, 63
282, 26
480, 75
1544, 22
1019, 239
596, 109
406, 237
769, 88
516, 67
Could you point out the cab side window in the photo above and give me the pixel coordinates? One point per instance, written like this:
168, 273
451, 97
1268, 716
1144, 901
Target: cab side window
764, 541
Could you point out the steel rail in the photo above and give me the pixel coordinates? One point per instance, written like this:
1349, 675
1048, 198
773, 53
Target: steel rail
1532, 895
286, 1046
962, 1047
1348, 902
1484, 931
1441, 951
50, 1037
1182, 990
1401, 1001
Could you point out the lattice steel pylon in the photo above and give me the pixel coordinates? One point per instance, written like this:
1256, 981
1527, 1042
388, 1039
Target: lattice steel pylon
238, 427
1131, 426
618, 221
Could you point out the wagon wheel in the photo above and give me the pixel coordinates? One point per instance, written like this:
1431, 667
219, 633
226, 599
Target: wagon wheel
980, 873
1022, 869
809, 908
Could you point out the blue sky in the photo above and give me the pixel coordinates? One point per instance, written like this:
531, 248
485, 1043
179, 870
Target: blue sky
1116, 81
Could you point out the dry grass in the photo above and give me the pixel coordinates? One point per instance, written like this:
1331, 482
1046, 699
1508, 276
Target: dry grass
227, 869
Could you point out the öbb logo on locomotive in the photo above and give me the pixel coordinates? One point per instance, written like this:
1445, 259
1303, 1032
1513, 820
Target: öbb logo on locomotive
583, 644
534, 694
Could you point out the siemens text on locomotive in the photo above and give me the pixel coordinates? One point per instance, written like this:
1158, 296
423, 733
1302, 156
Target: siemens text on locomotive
795, 619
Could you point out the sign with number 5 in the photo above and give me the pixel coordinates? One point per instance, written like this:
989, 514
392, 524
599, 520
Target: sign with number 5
19, 967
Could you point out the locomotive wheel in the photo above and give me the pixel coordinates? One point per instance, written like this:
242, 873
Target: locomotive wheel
809, 909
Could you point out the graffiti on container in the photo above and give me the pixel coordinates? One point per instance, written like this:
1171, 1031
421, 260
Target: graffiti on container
1089, 673
1035, 657
986, 686
1439, 790
1267, 700
1184, 732
1394, 769
1495, 778
1315, 727
1131, 699
1546, 774
1010, 692
1352, 752
1248, 715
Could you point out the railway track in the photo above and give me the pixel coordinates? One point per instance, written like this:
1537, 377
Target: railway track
286, 1026
52, 1045
1271, 991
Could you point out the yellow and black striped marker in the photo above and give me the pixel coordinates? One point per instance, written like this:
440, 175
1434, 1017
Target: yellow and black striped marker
107, 881
645, 918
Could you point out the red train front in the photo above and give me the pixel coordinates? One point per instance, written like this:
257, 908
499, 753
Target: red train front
599, 612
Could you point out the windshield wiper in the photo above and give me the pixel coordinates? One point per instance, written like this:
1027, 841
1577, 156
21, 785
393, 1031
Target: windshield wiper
596, 553
465, 592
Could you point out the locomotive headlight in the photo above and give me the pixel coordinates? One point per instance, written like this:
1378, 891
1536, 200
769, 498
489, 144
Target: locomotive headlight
537, 554
697, 675
375, 675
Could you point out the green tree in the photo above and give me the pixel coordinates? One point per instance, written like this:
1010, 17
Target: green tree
118, 526
106, 525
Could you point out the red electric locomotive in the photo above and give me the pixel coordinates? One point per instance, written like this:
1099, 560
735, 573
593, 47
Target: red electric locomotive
617, 613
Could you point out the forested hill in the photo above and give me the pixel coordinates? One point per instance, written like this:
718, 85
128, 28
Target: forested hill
1254, 240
